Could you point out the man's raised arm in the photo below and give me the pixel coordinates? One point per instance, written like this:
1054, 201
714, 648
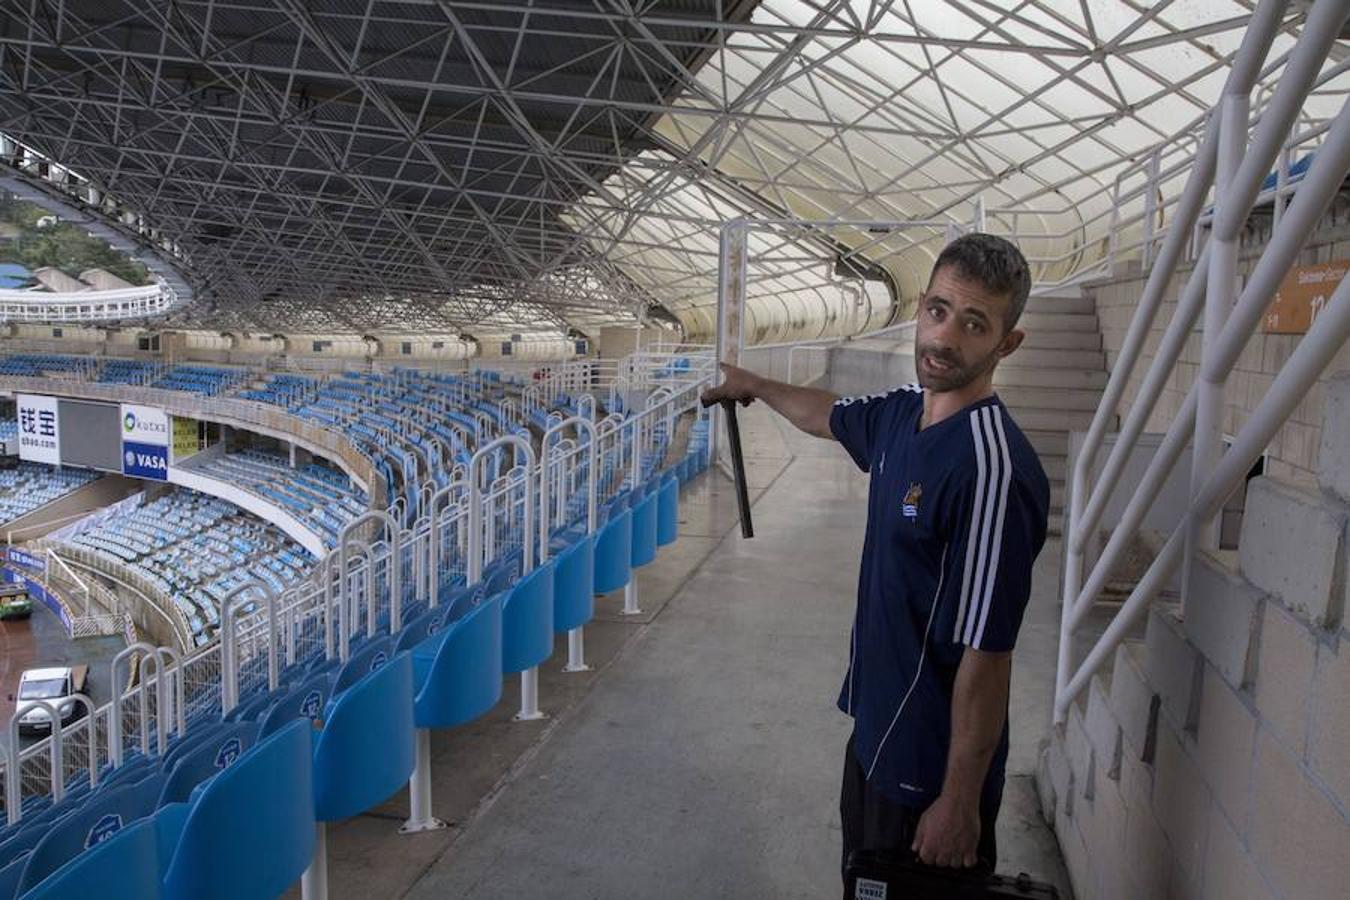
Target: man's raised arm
807, 408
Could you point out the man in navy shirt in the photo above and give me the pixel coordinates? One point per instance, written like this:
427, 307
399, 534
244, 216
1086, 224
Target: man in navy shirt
956, 516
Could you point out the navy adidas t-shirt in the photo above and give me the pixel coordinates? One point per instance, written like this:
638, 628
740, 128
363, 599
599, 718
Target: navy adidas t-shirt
956, 516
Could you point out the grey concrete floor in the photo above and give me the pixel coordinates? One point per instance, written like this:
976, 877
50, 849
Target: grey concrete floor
701, 757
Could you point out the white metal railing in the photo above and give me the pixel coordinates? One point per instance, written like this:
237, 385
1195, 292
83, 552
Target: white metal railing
341, 597
1134, 220
155, 299
31, 175
1234, 158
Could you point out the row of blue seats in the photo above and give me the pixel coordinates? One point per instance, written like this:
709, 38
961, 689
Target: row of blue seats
205, 380
163, 832
37, 365
127, 371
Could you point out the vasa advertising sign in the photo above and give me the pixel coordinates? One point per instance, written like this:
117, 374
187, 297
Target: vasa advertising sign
145, 461
145, 442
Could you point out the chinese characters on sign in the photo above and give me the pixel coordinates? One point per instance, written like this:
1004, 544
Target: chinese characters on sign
39, 429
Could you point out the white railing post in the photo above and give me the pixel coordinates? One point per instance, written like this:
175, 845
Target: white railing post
138, 651
1255, 45
229, 646
529, 679
576, 653
1220, 291
1228, 327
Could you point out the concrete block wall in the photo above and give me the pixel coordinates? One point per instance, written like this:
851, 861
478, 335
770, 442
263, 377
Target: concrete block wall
1212, 760
1294, 451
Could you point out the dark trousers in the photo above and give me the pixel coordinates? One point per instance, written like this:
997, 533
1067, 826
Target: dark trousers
874, 822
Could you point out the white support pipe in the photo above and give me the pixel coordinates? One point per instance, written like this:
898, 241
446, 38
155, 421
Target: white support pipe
1318, 35
1256, 42
1314, 197
13, 783
475, 561
363, 573
529, 679
576, 645
391, 533
163, 701
314, 880
630, 590
1318, 191
325, 573
419, 790
1220, 292
229, 647
437, 501
420, 564
118, 696
1155, 380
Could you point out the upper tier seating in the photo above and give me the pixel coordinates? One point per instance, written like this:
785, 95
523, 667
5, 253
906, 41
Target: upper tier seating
208, 381
196, 549
323, 499
31, 485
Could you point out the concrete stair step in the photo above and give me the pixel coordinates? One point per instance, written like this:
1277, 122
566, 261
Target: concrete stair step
1061, 420
1056, 466
1046, 358
1085, 320
1077, 305
1049, 398
1045, 441
1048, 290
1018, 375
1045, 339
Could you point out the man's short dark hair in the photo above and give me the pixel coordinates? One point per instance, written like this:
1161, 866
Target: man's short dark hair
995, 264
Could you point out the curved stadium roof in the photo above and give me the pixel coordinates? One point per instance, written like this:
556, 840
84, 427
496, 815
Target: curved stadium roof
495, 167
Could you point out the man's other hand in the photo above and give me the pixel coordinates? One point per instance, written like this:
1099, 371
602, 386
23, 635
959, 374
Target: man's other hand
948, 834
737, 384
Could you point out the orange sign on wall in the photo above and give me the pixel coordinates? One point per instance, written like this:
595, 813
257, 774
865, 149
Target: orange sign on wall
1302, 295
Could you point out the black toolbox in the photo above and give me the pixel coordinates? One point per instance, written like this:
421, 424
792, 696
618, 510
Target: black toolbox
873, 876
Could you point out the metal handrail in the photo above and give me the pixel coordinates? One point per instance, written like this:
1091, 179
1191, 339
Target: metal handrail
1226, 331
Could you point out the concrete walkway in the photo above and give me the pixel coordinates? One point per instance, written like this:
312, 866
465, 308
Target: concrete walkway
702, 758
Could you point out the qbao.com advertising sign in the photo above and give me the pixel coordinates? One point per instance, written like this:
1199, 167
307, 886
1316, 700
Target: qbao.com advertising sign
145, 460
39, 429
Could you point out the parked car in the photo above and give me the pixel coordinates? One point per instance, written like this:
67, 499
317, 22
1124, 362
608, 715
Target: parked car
52, 685
15, 602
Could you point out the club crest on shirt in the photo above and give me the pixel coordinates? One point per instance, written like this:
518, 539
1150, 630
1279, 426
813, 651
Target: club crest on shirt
909, 507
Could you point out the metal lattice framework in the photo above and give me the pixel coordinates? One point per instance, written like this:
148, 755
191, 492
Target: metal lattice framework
495, 166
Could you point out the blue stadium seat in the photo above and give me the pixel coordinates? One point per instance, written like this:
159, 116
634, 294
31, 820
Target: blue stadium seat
668, 510
373, 654
420, 628
250, 834
365, 752
225, 748
124, 867
614, 553
10, 873
644, 531
458, 673
527, 621
574, 585
306, 700
96, 821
